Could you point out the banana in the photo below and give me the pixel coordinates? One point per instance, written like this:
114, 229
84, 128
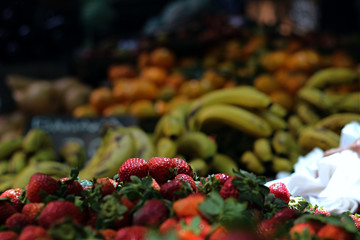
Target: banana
34, 140
280, 164
174, 125
55, 169
143, 145
243, 96
121, 149
275, 121
317, 98
337, 121
262, 149
322, 138
349, 103
222, 163
17, 162
233, 116
159, 129
43, 155
166, 147
277, 109
3, 167
331, 77
295, 125
199, 166
9, 146
282, 142
196, 144
74, 154
6, 181
252, 162
307, 113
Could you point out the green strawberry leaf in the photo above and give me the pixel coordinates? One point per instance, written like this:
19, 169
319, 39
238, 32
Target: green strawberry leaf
234, 214
212, 206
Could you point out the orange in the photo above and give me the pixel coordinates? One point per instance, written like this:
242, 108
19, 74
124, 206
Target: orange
273, 60
84, 111
144, 90
154, 74
214, 79
142, 109
177, 101
162, 57
266, 83
101, 97
123, 91
283, 98
229, 84
294, 82
175, 80
115, 110
161, 107
191, 89
120, 71
143, 60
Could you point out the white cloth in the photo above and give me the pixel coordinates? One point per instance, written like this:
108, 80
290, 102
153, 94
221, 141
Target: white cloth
332, 182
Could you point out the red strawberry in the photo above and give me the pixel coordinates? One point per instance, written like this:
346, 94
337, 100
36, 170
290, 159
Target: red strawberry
132, 233
107, 187
108, 234
187, 179
38, 182
300, 229
6, 210
220, 233
168, 225
188, 206
356, 220
333, 232
17, 220
280, 190
31, 210
203, 227
56, 211
229, 190
222, 177
321, 211
14, 195
155, 185
152, 214
8, 235
133, 167
184, 234
73, 187
34, 232
163, 169
172, 190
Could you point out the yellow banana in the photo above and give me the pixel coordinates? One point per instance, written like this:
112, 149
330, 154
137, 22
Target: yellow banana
17, 162
6, 181
262, 149
331, 77
159, 129
322, 138
143, 145
349, 103
44, 154
307, 113
9, 146
252, 162
280, 164
199, 166
34, 140
196, 144
295, 125
317, 98
243, 96
277, 109
174, 125
282, 142
55, 169
233, 116
337, 121
276, 122
74, 154
166, 147
222, 163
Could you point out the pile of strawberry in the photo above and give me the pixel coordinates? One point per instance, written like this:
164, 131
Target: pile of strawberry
163, 199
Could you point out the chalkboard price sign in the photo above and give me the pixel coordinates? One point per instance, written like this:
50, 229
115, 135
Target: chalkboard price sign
85, 131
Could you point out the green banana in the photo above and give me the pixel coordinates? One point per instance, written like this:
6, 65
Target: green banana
295, 125
277, 109
17, 162
262, 149
322, 138
337, 121
3, 167
282, 142
174, 124
159, 129
34, 140
331, 77
166, 147
280, 164
307, 113
74, 154
317, 98
143, 145
222, 163
43, 155
275, 121
9, 146
349, 103
196, 144
199, 166
233, 116
55, 169
252, 162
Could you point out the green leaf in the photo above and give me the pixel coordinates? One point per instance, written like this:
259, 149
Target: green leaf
212, 206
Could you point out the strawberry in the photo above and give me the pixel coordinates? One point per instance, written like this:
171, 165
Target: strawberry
321, 211
152, 214
356, 220
222, 177
6, 210
56, 211
280, 190
300, 228
133, 167
41, 182
229, 190
31, 210
163, 168
108, 234
188, 206
187, 179
220, 233
184, 234
333, 232
14, 195
17, 220
73, 187
173, 190
107, 187
34, 232
202, 227
8, 235
168, 225
132, 233
155, 185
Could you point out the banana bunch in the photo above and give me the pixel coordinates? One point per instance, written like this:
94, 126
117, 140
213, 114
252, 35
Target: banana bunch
25, 155
117, 145
321, 112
